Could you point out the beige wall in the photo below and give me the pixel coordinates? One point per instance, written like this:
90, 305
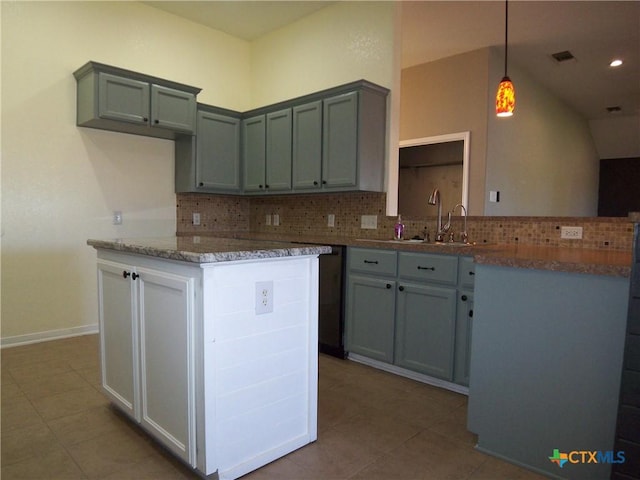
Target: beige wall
60, 183
543, 160
448, 96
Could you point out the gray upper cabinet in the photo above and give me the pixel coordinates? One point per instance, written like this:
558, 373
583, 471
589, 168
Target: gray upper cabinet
266, 152
210, 161
278, 156
307, 146
340, 133
111, 98
254, 154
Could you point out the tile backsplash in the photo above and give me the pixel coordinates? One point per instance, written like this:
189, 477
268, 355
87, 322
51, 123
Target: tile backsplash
308, 215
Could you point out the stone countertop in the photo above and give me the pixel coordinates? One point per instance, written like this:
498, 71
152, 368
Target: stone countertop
572, 260
207, 249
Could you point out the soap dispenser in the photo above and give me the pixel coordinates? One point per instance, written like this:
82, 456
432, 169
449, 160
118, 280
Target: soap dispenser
398, 230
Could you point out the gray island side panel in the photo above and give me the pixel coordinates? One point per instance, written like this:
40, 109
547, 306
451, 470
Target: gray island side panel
546, 358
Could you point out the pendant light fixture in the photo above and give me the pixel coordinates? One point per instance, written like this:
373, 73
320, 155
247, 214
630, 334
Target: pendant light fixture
506, 96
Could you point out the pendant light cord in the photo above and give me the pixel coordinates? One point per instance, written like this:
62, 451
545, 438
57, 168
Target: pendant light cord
506, 33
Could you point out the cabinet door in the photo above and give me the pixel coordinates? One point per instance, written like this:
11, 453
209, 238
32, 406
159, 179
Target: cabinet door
340, 140
173, 109
278, 154
118, 335
464, 320
166, 359
307, 146
253, 154
123, 99
425, 323
217, 152
370, 317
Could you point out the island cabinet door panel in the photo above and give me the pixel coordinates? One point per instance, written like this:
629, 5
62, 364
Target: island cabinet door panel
218, 152
123, 99
307, 146
166, 357
340, 141
173, 109
425, 323
370, 317
118, 335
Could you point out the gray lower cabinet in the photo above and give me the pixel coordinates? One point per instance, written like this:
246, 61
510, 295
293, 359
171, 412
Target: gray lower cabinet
210, 161
406, 309
112, 98
266, 152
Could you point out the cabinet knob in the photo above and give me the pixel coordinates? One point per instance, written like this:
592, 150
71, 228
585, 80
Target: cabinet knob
134, 276
125, 274
201, 184
156, 121
145, 119
463, 298
470, 313
315, 182
401, 288
259, 186
324, 182
472, 273
266, 186
388, 285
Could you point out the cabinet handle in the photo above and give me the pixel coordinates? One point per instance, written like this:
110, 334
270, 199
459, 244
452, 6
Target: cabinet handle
463, 298
134, 275
472, 273
388, 285
125, 274
401, 288
471, 313
427, 268
375, 262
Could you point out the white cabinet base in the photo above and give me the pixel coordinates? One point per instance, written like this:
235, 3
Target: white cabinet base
187, 355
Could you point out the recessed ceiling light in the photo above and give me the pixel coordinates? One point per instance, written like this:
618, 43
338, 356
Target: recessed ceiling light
615, 63
563, 56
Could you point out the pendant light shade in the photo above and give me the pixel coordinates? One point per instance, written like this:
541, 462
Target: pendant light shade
506, 96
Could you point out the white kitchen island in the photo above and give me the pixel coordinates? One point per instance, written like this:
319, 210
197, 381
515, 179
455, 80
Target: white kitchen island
210, 344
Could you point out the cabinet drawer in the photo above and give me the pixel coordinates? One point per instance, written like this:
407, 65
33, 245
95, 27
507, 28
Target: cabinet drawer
428, 268
366, 260
466, 272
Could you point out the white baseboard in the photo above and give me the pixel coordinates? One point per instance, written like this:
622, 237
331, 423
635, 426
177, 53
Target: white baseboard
419, 377
38, 337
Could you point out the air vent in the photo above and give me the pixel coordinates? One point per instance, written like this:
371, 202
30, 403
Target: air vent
563, 56
614, 109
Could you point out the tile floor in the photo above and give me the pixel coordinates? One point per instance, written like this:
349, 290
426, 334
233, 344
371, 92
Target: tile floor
56, 424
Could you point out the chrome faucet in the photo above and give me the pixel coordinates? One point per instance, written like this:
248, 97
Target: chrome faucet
434, 199
464, 237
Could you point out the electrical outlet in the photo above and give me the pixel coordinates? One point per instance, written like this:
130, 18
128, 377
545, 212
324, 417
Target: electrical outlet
276, 220
331, 220
117, 217
196, 218
369, 222
264, 297
267, 220
571, 233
